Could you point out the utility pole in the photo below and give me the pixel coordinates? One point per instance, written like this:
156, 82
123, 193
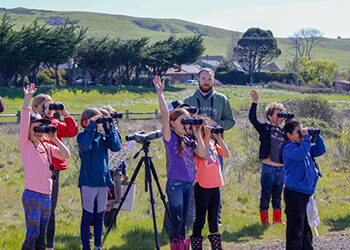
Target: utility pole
296, 60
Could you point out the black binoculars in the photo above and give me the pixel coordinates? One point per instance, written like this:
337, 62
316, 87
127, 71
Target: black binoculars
116, 115
192, 121
44, 128
287, 116
104, 119
56, 106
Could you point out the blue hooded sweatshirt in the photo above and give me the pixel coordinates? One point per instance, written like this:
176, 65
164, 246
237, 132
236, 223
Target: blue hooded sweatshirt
93, 152
300, 173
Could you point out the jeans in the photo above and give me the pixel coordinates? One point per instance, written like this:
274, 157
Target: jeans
298, 234
179, 195
272, 179
207, 199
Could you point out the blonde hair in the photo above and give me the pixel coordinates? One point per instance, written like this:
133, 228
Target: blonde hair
40, 99
210, 71
108, 108
87, 114
269, 110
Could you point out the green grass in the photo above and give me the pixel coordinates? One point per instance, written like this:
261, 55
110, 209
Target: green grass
216, 39
135, 229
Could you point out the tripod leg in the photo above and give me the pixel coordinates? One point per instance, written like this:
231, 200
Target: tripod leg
134, 175
149, 180
162, 196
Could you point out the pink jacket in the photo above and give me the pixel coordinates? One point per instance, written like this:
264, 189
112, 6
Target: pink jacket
36, 166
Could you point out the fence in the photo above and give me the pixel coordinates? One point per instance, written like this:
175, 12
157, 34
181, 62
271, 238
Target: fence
126, 116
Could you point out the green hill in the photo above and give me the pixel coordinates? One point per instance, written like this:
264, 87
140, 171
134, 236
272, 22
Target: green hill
127, 27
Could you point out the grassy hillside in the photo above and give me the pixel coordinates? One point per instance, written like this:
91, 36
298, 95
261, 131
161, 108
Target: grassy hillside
241, 173
126, 27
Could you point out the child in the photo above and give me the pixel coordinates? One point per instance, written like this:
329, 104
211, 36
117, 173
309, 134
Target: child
300, 182
66, 129
181, 170
272, 172
207, 190
94, 177
37, 156
120, 172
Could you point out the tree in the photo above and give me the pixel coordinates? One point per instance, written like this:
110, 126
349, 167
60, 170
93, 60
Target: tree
188, 49
312, 72
257, 47
306, 39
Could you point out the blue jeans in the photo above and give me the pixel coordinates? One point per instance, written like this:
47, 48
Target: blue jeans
179, 195
272, 180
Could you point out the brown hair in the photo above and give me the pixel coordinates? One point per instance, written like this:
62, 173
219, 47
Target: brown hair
289, 127
40, 99
87, 114
269, 110
206, 70
174, 115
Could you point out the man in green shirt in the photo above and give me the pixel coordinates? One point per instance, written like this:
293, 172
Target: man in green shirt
214, 105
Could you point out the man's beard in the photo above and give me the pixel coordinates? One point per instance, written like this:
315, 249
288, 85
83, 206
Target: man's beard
205, 90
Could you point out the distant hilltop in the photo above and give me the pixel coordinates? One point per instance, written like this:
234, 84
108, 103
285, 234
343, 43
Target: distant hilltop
127, 27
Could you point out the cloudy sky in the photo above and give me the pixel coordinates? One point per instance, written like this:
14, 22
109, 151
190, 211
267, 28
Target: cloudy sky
282, 17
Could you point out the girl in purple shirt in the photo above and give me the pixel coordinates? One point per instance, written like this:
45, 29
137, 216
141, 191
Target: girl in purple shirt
181, 172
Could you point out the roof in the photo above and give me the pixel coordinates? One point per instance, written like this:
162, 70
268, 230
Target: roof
272, 67
215, 58
192, 69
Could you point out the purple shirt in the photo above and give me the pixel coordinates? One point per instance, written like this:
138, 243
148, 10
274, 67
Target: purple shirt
181, 167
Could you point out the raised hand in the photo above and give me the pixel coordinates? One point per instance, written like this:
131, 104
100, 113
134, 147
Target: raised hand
254, 96
158, 84
28, 91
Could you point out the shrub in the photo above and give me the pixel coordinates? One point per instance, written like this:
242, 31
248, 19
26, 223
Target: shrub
326, 130
316, 107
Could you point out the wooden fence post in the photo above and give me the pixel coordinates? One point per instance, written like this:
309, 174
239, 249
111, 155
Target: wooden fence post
18, 116
127, 114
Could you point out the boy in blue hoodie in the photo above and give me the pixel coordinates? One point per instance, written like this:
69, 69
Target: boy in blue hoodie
300, 181
94, 176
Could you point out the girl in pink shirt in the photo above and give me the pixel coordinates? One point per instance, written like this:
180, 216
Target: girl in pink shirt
207, 189
37, 160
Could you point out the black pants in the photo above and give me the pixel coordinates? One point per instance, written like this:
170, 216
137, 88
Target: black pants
51, 228
206, 199
299, 235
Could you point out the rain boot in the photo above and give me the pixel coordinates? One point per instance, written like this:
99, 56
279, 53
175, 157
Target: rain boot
215, 241
196, 242
264, 217
277, 216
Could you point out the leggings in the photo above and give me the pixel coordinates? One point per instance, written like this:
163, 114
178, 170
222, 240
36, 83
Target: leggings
37, 208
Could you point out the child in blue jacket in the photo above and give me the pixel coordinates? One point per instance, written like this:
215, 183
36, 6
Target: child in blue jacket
300, 181
94, 176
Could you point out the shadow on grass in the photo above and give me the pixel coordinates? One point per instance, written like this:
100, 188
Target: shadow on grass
13, 92
69, 241
254, 231
140, 238
339, 224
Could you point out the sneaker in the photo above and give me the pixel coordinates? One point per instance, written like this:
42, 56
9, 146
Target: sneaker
219, 223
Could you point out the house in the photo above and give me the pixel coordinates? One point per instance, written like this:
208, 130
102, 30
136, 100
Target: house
342, 84
209, 61
272, 67
183, 73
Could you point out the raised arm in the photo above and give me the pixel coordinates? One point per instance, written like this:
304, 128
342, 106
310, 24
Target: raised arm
252, 112
29, 91
86, 138
159, 85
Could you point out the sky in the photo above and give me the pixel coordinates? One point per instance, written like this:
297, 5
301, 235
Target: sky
282, 17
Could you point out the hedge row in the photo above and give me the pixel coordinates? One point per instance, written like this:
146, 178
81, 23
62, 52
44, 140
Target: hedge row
240, 78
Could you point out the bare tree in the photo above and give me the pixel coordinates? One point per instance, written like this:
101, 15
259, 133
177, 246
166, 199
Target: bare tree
306, 39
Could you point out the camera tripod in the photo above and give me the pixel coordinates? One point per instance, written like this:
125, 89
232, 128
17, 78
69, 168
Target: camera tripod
149, 169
